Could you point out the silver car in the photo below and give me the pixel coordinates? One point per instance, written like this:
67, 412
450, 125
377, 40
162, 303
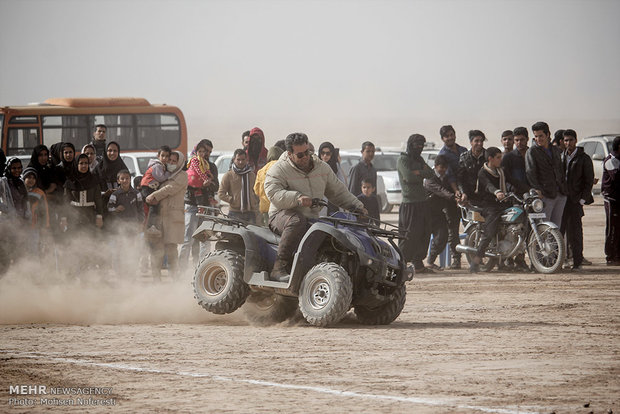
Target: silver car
598, 148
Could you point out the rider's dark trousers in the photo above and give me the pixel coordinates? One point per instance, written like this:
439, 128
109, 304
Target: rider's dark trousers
439, 229
291, 226
612, 230
491, 216
571, 224
453, 214
415, 217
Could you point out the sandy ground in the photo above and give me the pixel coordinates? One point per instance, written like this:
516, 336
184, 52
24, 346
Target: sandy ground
464, 343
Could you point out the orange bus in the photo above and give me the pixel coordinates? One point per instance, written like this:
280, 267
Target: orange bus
132, 122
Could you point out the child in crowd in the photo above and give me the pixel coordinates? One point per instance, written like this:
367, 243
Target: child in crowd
125, 205
126, 212
38, 207
199, 175
155, 174
440, 195
370, 199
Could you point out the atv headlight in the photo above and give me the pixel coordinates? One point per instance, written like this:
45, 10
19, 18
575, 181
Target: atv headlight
538, 205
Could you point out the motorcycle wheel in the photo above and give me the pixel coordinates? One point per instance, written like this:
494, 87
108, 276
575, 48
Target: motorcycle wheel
487, 263
384, 314
550, 257
264, 309
218, 282
325, 294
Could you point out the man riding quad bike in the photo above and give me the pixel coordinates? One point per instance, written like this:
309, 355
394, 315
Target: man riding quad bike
323, 266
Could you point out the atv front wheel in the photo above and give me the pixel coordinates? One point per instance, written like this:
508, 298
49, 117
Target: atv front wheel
384, 314
218, 282
325, 294
264, 309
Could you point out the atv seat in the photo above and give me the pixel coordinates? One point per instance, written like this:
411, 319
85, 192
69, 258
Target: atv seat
264, 233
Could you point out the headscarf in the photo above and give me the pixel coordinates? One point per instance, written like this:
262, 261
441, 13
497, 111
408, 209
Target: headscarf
95, 161
45, 174
257, 158
180, 164
68, 168
19, 193
413, 145
80, 181
202, 163
56, 152
107, 169
333, 161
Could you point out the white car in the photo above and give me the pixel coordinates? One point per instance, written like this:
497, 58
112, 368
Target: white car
137, 162
349, 159
598, 148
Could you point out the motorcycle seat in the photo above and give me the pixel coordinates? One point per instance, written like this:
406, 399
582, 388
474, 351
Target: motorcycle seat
264, 233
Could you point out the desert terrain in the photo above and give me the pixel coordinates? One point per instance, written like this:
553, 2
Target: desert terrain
489, 342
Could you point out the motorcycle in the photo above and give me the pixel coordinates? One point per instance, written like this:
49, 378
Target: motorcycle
523, 227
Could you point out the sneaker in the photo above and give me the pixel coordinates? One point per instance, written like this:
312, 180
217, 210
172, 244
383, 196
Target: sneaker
577, 268
613, 263
586, 262
434, 267
153, 232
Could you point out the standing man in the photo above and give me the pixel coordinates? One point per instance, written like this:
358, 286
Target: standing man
237, 189
99, 140
470, 164
414, 213
507, 141
513, 163
245, 140
364, 169
579, 181
256, 151
452, 152
610, 187
545, 172
291, 184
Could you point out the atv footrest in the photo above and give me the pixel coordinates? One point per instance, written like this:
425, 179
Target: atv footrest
262, 279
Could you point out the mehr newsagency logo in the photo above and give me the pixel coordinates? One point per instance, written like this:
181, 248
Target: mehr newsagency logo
30, 395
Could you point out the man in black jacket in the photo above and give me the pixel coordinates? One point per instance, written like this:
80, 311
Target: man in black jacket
610, 188
579, 181
470, 163
545, 172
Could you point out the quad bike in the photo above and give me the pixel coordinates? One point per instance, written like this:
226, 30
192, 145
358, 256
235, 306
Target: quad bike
522, 227
343, 261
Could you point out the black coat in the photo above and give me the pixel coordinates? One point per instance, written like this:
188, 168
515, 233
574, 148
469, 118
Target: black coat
467, 175
545, 173
579, 177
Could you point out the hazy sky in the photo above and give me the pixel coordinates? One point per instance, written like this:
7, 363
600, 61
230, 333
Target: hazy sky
343, 70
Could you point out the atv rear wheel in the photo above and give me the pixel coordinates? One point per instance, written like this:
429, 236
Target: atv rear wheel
218, 282
384, 314
264, 309
325, 294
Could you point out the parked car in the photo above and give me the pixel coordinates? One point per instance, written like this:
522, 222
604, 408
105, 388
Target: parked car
598, 148
137, 162
429, 156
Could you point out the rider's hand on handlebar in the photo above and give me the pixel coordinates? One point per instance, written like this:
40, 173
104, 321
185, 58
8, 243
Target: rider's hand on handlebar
304, 201
500, 196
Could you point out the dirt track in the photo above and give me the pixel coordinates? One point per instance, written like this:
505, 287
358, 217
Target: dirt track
464, 343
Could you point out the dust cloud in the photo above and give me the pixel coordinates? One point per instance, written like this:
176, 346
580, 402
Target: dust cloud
98, 282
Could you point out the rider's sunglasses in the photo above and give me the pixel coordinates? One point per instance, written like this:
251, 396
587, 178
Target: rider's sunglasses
301, 155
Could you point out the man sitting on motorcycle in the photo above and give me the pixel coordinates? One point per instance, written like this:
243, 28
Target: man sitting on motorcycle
291, 184
491, 190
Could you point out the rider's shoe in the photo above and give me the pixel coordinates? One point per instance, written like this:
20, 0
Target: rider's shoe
280, 272
474, 267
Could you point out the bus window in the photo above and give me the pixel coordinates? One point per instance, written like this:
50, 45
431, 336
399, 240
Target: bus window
21, 141
66, 128
119, 128
155, 130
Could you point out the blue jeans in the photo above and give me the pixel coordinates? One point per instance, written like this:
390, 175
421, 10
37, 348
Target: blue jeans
192, 221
